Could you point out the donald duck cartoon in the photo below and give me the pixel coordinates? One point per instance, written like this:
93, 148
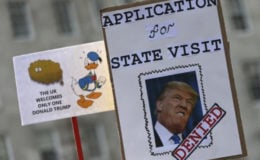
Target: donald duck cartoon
89, 83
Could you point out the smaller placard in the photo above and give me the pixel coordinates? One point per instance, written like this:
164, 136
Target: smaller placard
63, 83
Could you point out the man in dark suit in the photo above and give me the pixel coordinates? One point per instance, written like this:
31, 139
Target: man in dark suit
173, 109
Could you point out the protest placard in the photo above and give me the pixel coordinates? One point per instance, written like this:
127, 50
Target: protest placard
179, 43
63, 83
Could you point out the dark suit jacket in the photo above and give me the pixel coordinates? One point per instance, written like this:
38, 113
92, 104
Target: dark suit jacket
158, 142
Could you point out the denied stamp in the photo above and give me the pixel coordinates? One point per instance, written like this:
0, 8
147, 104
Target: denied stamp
209, 121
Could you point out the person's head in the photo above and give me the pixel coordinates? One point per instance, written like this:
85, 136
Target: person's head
175, 104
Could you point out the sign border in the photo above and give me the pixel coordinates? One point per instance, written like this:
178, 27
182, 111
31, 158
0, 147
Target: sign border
229, 71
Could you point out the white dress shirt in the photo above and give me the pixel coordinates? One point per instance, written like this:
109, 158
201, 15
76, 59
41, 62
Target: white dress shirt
164, 134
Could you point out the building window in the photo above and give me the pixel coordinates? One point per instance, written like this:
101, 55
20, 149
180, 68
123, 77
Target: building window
95, 142
63, 15
238, 15
93, 147
48, 143
252, 70
48, 154
128, 1
3, 149
19, 17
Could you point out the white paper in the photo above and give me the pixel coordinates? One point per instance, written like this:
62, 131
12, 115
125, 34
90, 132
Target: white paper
50, 83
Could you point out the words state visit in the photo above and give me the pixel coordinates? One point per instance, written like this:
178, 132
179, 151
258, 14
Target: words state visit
182, 50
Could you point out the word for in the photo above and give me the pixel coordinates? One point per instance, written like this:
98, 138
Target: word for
153, 10
161, 30
182, 50
209, 121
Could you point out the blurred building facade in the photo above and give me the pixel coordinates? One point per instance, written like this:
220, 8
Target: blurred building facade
243, 29
35, 25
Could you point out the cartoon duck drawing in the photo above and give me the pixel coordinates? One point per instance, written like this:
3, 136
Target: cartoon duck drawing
90, 83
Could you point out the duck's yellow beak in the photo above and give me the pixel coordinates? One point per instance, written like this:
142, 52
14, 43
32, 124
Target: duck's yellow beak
91, 66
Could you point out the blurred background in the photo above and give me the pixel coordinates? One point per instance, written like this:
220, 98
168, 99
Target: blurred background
28, 26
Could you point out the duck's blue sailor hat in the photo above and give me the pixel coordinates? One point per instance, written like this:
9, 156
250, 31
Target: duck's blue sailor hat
93, 56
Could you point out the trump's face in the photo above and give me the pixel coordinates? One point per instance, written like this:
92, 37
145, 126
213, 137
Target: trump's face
174, 109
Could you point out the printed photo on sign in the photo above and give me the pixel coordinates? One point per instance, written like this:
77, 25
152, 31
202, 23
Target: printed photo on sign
175, 104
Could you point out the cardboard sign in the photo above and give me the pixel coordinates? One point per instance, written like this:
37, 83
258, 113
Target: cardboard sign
157, 44
63, 83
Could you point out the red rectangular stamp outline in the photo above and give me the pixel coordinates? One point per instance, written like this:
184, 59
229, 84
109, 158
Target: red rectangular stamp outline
190, 143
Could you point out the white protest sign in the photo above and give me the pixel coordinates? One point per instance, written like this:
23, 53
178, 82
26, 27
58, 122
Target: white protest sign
62, 83
180, 44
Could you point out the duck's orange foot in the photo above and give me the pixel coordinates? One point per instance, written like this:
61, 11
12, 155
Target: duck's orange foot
94, 95
83, 102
